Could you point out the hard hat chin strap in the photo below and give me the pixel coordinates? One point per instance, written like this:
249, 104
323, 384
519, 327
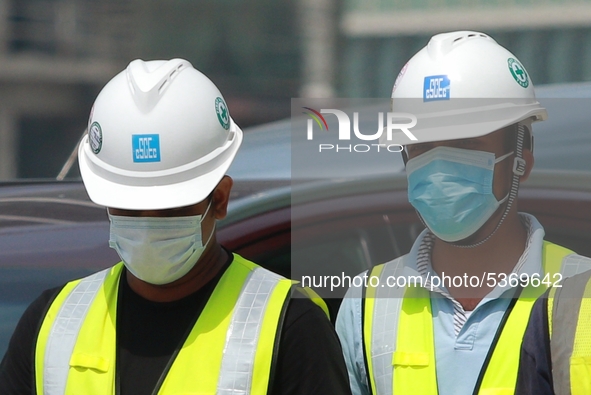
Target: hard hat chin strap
519, 165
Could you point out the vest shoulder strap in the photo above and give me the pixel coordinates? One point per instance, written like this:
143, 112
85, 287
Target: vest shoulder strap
381, 308
414, 356
59, 331
570, 331
251, 338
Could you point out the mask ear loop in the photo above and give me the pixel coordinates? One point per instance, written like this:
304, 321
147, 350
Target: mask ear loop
518, 170
206, 210
214, 223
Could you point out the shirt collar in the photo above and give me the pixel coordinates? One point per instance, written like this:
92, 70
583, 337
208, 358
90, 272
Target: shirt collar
530, 262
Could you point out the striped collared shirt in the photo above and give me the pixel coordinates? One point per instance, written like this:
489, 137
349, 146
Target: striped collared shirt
425, 268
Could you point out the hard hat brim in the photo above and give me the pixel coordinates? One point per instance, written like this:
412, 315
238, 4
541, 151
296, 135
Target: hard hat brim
159, 195
458, 121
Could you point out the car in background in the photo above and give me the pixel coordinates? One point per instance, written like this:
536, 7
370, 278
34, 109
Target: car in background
50, 232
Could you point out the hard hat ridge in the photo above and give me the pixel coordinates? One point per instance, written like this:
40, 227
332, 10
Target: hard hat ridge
149, 81
440, 45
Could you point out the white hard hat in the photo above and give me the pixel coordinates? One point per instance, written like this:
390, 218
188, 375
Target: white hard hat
463, 85
159, 136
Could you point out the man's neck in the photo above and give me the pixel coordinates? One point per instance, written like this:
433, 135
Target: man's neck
497, 256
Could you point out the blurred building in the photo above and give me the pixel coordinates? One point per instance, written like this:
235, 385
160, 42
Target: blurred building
552, 38
55, 55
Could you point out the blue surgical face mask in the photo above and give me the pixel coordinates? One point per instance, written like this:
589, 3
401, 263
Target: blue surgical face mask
452, 189
158, 250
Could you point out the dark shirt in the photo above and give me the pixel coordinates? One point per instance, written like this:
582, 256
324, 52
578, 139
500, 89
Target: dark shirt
309, 359
535, 364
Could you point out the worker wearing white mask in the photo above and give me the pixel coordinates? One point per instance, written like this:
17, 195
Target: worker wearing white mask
179, 314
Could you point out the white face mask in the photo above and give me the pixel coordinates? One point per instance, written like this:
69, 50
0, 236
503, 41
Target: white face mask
158, 250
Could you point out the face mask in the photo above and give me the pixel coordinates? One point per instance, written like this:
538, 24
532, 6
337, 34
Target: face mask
158, 250
451, 188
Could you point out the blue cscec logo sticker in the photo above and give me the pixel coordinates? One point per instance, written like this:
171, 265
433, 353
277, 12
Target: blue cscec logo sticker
436, 87
146, 147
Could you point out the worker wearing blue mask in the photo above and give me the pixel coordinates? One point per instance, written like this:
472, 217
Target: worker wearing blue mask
180, 313
454, 326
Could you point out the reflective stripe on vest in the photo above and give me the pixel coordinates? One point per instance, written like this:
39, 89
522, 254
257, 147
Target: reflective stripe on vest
228, 351
390, 320
67, 314
569, 324
380, 328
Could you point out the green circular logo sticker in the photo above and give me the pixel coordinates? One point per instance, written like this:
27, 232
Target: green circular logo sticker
222, 111
95, 137
518, 72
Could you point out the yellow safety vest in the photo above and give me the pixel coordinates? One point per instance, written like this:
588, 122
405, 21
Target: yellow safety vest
230, 347
569, 325
399, 348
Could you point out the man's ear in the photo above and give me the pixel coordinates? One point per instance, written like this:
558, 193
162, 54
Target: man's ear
528, 156
221, 196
